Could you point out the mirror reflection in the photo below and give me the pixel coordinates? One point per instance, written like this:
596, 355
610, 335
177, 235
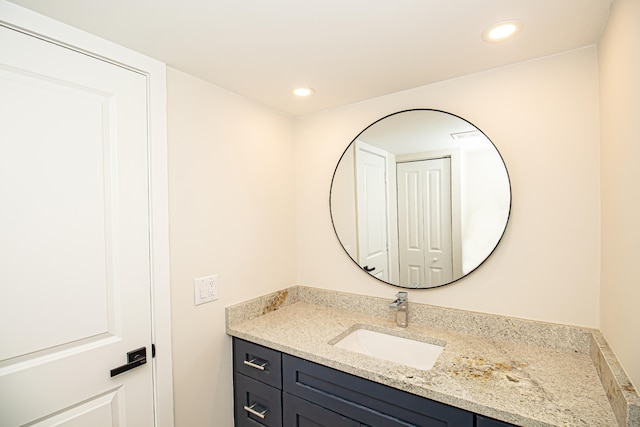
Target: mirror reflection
420, 198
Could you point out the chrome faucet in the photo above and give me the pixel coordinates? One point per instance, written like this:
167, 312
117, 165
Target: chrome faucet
401, 304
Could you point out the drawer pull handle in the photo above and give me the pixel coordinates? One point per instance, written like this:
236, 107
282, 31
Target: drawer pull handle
256, 363
260, 414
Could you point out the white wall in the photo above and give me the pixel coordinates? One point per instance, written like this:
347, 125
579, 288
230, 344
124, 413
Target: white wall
231, 196
619, 67
543, 117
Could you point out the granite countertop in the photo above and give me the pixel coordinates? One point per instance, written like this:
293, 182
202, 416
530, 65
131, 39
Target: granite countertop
522, 372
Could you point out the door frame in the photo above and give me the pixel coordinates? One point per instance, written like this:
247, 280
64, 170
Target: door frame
18, 18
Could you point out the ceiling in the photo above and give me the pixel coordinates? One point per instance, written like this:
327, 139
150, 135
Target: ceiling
347, 50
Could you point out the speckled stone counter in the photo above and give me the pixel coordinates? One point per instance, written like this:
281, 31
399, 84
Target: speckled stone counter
523, 372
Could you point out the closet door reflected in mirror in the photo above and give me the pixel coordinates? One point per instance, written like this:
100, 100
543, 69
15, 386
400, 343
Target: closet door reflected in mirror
420, 198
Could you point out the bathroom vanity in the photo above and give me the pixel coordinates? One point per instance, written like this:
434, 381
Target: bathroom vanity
493, 371
276, 389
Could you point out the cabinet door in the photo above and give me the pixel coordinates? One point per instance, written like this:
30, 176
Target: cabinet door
256, 404
297, 412
366, 401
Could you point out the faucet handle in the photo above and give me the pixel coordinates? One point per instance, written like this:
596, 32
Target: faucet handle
402, 296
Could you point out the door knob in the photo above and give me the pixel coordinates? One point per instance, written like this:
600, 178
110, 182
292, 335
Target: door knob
367, 268
135, 358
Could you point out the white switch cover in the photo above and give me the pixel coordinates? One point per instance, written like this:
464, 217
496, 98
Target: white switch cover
205, 289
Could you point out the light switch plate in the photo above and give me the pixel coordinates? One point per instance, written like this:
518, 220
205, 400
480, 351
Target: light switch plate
205, 289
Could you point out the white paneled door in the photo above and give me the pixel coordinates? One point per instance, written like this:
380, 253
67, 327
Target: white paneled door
75, 281
424, 223
372, 210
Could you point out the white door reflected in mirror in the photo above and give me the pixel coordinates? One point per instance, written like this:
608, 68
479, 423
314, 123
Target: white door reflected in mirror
424, 223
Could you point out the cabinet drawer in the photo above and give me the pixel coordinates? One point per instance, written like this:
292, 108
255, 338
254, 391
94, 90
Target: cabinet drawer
297, 412
256, 404
366, 401
257, 362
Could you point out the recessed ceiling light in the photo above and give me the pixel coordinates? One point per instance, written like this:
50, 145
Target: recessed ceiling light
501, 31
303, 91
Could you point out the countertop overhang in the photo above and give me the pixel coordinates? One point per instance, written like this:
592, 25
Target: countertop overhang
518, 371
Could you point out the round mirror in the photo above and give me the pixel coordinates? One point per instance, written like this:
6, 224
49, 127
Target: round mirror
420, 198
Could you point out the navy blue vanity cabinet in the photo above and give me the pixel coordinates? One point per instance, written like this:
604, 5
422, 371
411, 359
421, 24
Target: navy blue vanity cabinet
257, 384
277, 389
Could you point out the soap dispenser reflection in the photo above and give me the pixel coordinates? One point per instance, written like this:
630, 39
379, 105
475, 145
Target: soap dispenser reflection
401, 304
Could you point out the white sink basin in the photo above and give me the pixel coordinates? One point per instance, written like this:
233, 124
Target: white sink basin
404, 351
